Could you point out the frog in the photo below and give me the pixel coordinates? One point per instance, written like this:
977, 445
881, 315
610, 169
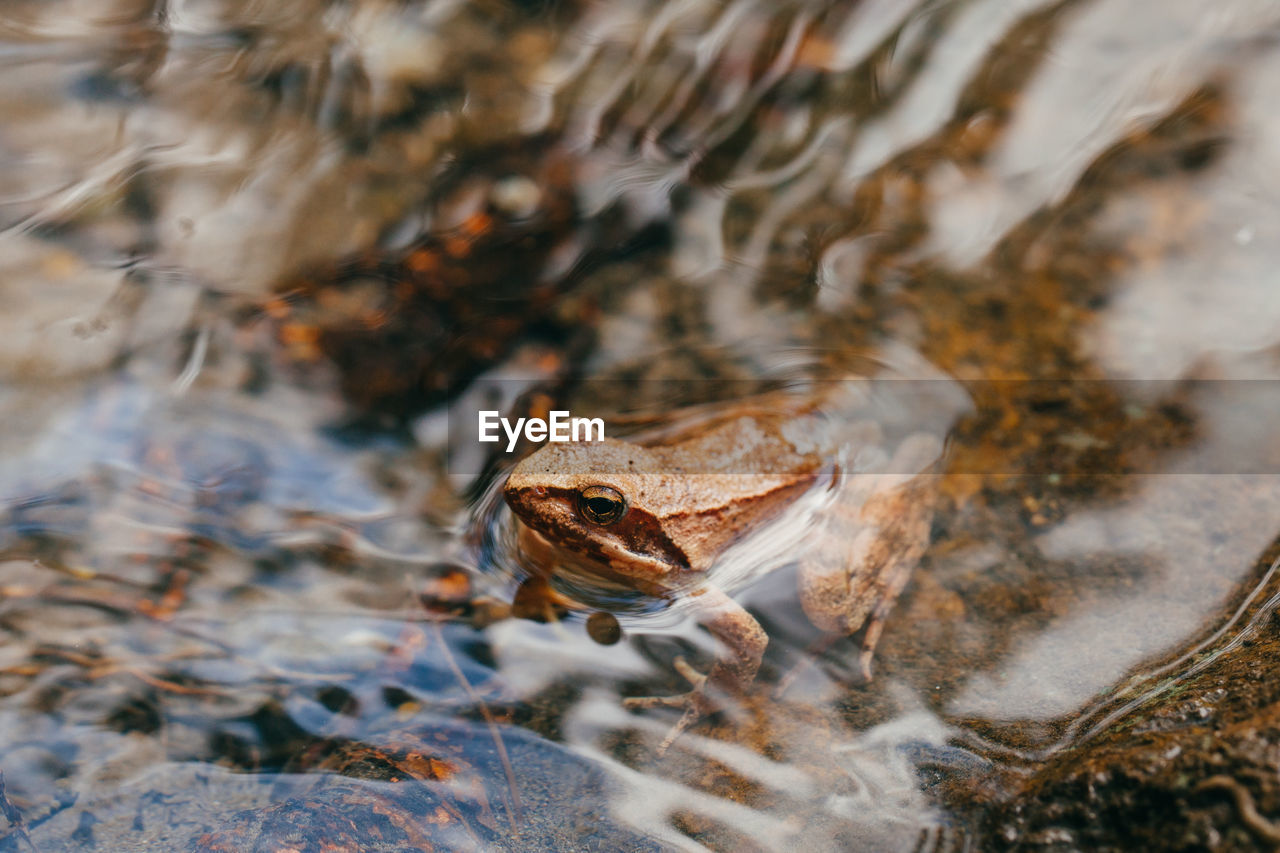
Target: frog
658, 514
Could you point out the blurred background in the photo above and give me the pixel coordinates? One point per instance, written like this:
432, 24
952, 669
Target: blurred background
252, 253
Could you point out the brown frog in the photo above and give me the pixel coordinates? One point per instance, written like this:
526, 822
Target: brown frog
661, 514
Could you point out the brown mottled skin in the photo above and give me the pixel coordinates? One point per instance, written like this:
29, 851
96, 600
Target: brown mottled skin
689, 499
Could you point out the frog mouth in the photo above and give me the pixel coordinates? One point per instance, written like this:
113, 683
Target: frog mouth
634, 546
611, 553
602, 558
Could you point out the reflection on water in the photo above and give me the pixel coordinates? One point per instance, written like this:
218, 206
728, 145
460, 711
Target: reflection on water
248, 251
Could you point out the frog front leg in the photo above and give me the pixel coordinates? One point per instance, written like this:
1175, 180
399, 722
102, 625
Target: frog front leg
536, 599
742, 643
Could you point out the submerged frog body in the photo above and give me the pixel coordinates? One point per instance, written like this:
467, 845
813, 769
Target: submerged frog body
659, 516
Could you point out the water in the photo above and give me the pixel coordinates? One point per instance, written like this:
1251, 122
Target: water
256, 257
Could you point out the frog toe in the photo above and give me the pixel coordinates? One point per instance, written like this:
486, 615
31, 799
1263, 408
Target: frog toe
691, 675
695, 699
678, 701
695, 703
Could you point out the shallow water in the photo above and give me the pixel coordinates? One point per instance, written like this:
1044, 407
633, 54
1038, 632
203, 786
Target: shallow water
261, 263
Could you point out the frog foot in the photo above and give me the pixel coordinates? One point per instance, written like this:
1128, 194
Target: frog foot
695, 703
538, 601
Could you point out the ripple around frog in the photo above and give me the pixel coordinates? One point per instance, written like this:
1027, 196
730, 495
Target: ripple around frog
905, 397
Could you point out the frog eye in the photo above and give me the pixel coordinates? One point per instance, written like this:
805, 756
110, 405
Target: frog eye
601, 504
